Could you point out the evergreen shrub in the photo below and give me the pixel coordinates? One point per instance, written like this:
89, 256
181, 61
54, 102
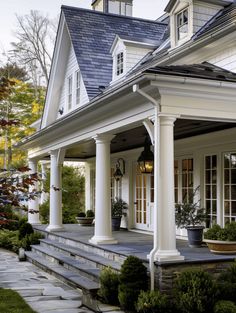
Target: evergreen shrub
133, 279
108, 291
25, 229
152, 302
195, 292
224, 307
226, 284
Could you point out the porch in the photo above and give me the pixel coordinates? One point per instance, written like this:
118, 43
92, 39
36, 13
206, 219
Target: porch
137, 244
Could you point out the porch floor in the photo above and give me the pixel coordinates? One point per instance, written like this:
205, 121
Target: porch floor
139, 244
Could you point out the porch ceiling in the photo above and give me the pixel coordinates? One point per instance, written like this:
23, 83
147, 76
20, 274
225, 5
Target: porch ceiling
134, 138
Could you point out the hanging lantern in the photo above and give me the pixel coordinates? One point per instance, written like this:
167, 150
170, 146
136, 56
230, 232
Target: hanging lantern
118, 173
146, 159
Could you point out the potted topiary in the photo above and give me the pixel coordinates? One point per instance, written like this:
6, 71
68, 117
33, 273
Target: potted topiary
85, 219
191, 216
221, 240
118, 208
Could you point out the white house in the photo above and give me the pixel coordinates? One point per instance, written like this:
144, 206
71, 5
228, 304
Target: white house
117, 82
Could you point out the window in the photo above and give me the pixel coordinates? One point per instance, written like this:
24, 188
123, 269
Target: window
69, 92
229, 187
119, 63
182, 24
187, 180
77, 88
211, 187
120, 7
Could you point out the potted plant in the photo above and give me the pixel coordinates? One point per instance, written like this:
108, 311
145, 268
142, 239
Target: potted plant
85, 219
118, 208
191, 216
221, 240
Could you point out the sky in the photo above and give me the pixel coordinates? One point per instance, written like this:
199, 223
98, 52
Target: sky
150, 9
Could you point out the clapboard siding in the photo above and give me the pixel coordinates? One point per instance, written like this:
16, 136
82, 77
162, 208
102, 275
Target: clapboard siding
71, 68
225, 59
201, 15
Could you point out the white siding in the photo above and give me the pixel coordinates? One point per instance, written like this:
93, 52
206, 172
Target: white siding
71, 68
201, 15
225, 59
134, 55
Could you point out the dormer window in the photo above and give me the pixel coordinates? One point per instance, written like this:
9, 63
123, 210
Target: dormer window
182, 24
120, 63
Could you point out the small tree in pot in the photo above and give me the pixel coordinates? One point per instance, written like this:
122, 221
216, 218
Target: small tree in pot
118, 208
191, 216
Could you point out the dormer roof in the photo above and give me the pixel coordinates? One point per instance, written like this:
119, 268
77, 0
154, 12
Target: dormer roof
171, 3
92, 34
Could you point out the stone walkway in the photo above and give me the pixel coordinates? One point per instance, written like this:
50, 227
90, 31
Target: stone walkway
43, 292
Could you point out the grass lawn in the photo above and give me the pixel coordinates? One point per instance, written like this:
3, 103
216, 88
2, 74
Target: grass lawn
12, 302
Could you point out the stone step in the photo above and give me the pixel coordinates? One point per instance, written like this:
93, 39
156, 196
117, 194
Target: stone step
69, 262
81, 255
84, 245
73, 279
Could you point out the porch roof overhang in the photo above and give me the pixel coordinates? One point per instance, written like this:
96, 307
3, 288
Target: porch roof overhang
118, 110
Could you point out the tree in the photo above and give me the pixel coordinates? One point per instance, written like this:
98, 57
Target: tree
13, 71
17, 103
35, 34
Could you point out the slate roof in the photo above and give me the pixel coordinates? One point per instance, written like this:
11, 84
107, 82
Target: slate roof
92, 34
204, 70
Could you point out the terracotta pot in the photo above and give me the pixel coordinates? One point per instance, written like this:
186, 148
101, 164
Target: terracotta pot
221, 247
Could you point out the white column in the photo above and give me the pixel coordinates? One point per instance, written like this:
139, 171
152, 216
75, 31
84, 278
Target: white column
88, 189
44, 195
55, 211
102, 231
166, 237
33, 205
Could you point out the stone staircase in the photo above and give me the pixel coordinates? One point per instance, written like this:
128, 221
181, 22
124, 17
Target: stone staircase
74, 262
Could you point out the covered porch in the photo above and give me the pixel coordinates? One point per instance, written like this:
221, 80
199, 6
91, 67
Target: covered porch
177, 110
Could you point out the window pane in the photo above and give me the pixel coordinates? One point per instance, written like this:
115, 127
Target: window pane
208, 162
226, 160
233, 208
233, 176
233, 160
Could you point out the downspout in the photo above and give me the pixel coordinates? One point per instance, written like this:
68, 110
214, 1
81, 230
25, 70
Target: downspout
156, 142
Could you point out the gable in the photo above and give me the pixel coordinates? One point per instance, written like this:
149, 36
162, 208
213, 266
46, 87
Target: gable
92, 34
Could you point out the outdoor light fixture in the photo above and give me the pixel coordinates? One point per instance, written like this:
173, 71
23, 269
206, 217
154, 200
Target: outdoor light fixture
146, 159
118, 173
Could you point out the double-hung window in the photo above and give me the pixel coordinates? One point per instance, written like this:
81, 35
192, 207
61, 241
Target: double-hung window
69, 92
77, 88
120, 63
182, 24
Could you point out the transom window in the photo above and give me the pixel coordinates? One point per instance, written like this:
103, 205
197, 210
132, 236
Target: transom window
69, 92
182, 24
77, 88
120, 63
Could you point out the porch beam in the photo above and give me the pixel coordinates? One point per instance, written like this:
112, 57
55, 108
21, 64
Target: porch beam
102, 231
33, 204
55, 214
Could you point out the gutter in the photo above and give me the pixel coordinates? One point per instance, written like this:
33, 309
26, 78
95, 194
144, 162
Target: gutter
156, 142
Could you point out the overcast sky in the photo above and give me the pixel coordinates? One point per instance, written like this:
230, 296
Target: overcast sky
150, 9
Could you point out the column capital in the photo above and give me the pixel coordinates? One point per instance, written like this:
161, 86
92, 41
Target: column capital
59, 154
167, 119
103, 138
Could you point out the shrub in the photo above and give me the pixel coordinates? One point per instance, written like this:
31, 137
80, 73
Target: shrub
44, 212
81, 214
25, 229
109, 281
225, 234
226, 284
9, 240
133, 279
31, 239
225, 307
195, 292
152, 302
89, 213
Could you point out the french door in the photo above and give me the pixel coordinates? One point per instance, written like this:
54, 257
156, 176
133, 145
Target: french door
144, 198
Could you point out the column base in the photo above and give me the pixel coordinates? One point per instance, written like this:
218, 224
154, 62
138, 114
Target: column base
54, 228
168, 256
103, 240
